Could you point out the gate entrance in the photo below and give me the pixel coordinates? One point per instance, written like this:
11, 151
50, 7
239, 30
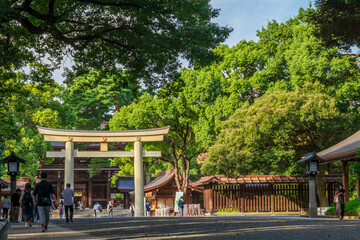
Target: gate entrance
104, 137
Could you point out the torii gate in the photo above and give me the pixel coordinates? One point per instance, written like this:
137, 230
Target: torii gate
104, 137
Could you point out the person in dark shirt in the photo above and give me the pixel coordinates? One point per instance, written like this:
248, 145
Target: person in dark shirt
181, 207
45, 195
340, 205
15, 197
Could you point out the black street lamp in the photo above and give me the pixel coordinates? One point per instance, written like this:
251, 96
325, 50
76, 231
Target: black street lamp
312, 161
13, 168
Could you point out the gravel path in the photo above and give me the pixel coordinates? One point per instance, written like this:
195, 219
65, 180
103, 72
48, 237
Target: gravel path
194, 228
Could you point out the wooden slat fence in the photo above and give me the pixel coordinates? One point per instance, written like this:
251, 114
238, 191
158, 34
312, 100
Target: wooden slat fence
260, 197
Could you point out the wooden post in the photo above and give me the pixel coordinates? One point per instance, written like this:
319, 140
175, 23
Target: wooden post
345, 179
357, 186
272, 201
90, 193
58, 189
211, 199
242, 198
108, 191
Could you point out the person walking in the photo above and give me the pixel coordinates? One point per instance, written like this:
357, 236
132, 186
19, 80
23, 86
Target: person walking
340, 204
181, 207
27, 204
61, 212
132, 209
97, 210
148, 208
68, 195
109, 209
44, 191
5, 206
15, 204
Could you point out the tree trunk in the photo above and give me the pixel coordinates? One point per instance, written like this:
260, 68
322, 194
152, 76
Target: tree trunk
321, 191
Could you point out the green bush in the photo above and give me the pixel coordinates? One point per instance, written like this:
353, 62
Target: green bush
350, 207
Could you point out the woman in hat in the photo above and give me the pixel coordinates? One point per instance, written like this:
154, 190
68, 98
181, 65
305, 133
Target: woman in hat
340, 204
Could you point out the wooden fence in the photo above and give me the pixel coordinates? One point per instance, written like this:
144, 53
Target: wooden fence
259, 197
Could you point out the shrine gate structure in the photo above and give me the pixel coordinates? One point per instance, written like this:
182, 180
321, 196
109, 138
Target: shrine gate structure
105, 137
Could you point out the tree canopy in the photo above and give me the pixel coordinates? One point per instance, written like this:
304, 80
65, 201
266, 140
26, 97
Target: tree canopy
338, 22
271, 135
146, 37
94, 97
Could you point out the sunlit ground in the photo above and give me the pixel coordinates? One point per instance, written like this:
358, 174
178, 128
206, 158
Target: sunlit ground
193, 228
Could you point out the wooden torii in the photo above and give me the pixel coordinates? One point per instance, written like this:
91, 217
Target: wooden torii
104, 137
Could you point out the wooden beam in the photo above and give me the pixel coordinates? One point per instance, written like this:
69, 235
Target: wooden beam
88, 133
54, 138
108, 154
104, 146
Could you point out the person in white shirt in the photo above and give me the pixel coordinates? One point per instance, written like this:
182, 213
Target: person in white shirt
110, 209
132, 209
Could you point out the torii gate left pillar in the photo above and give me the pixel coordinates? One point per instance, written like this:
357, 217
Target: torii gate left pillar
69, 164
136, 136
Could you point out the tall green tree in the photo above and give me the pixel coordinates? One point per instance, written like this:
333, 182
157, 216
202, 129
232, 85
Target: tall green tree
94, 97
271, 135
178, 147
35, 103
338, 22
145, 37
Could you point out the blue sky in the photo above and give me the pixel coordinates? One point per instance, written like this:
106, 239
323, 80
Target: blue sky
245, 17
248, 16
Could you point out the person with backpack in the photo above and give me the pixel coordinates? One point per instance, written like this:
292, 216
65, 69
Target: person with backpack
27, 204
44, 192
61, 212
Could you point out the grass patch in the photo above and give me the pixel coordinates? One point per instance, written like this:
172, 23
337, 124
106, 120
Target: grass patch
350, 207
228, 211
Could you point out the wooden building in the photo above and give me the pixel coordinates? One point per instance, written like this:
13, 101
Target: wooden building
88, 189
266, 193
4, 187
345, 152
161, 191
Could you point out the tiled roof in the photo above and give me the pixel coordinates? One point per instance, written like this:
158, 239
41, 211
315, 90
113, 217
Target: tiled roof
125, 184
263, 179
344, 150
161, 180
4, 183
164, 178
20, 183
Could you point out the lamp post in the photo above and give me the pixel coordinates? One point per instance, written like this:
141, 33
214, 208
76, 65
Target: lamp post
312, 161
13, 168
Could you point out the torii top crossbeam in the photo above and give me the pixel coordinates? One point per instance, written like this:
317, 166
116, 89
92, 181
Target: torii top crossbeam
143, 135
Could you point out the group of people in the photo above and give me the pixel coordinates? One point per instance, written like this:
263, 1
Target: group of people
98, 209
36, 203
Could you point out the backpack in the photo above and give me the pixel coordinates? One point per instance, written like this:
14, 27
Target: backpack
27, 200
61, 210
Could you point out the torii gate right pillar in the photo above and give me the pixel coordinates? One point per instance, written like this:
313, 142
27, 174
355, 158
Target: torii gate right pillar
138, 179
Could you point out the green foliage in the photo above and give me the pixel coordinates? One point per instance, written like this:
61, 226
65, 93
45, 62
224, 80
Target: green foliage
350, 207
32, 99
96, 164
271, 135
337, 22
146, 37
95, 96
